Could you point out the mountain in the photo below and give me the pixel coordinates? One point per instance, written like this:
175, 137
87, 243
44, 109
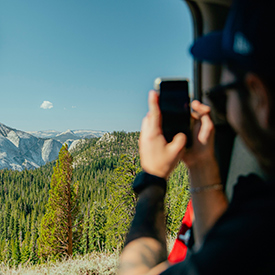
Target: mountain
44, 134
24, 196
89, 133
68, 135
22, 150
78, 133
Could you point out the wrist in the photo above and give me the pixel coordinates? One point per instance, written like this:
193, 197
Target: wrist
156, 171
145, 180
199, 161
206, 188
203, 163
204, 173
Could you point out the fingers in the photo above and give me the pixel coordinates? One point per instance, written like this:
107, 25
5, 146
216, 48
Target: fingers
151, 124
154, 111
153, 102
207, 128
203, 118
144, 124
177, 144
200, 108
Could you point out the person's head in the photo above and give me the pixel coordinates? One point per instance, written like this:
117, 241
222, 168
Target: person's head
246, 48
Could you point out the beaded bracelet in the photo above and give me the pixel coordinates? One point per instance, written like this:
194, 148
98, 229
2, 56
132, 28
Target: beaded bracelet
199, 189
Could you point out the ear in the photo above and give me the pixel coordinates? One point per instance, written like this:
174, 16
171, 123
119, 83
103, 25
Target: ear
259, 99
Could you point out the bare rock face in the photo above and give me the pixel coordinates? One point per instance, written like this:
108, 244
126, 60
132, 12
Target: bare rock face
107, 138
20, 150
28, 150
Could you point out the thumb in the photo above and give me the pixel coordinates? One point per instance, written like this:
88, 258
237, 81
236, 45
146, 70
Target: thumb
177, 144
154, 110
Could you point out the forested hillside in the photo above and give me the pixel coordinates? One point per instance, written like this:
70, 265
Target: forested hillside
105, 168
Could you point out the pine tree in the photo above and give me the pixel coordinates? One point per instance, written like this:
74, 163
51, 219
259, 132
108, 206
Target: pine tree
15, 247
7, 252
85, 241
2, 250
26, 248
56, 232
122, 201
33, 244
15, 252
177, 198
97, 233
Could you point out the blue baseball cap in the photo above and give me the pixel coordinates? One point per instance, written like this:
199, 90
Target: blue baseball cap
247, 40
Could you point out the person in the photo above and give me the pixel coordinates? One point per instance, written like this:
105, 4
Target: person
230, 238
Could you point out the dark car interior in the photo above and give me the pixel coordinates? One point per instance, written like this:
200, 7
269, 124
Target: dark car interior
233, 157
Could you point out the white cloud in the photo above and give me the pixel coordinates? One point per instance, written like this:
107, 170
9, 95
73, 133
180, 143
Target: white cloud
46, 105
73, 107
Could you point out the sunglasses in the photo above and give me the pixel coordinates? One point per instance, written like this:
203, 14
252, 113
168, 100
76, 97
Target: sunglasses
217, 95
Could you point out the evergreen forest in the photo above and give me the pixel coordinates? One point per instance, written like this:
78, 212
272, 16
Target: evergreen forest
102, 203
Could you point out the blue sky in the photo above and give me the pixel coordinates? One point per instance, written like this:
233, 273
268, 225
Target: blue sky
93, 61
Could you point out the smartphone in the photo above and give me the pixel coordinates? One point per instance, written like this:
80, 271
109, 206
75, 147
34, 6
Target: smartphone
174, 103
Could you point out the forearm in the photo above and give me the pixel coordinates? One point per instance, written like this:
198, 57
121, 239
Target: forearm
210, 204
146, 241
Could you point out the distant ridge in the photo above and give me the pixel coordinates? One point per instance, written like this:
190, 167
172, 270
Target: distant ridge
78, 133
28, 150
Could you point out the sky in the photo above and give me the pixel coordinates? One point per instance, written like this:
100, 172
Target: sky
88, 64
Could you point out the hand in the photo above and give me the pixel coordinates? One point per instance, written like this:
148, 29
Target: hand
157, 156
203, 132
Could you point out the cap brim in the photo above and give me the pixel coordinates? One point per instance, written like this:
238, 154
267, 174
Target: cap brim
209, 48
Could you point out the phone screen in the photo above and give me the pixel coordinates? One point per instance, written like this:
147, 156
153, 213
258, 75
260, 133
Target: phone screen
174, 104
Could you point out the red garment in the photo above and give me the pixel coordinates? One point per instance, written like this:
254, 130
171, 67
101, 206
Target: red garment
179, 250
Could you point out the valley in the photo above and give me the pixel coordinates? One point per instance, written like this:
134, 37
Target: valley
104, 168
